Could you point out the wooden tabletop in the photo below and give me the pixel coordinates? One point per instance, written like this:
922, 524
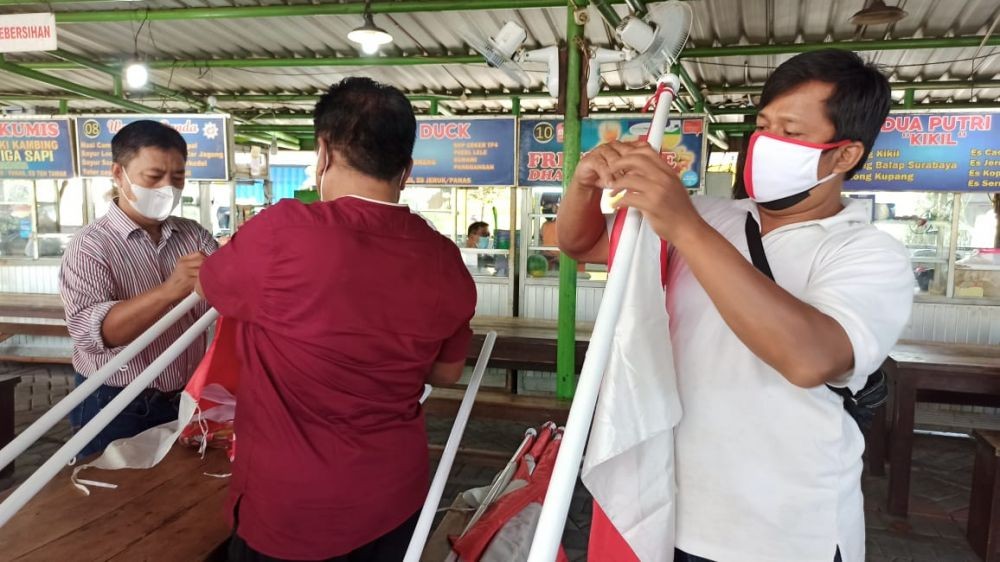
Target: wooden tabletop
172, 511
529, 328
977, 358
31, 305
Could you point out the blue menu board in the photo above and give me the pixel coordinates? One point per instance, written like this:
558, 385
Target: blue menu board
934, 152
206, 136
35, 149
466, 152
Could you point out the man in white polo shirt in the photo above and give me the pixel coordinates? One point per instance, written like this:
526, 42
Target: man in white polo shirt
768, 460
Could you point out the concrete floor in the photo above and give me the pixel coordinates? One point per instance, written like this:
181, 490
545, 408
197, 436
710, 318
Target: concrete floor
934, 531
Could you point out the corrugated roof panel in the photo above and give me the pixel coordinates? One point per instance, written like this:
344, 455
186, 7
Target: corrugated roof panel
717, 22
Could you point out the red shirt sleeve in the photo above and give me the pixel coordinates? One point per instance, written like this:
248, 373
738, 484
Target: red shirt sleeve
232, 278
456, 347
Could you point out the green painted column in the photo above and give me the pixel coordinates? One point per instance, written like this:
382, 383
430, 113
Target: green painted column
434, 107
515, 106
908, 98
63, 107
566, 349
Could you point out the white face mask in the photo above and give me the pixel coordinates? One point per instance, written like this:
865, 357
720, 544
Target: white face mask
322, 176
778, 167
154, 203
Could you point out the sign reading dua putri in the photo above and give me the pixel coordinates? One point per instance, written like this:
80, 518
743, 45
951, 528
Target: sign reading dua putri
21, 33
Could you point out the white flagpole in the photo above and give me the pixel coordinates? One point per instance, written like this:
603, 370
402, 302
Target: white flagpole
61, 409
548, 534
23, 494
423, 528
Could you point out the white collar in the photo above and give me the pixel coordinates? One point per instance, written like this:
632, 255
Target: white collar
386, 203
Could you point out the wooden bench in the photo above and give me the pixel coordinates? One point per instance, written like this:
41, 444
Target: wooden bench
499, 405
932, 372
31, 305
29, 314
984, 505
524, 343
170, 512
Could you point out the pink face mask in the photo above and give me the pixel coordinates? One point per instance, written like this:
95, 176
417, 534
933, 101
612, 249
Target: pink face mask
778, 167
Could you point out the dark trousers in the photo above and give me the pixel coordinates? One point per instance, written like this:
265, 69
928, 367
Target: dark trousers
681, 556
390, 547
149, 409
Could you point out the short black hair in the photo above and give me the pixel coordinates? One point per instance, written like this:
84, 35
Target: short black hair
474, 227
141, 134
371, 124
861, 96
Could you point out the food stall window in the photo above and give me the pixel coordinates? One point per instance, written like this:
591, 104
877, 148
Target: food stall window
543, 251
60, 208
977, 264
436, 204
922, 222
16, 219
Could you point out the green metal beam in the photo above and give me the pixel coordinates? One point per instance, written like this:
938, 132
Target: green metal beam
349, 61
607, 12
881, 45
280, 10
916, 86
265, 141
288, 62
72, 87
566, 335
116, 72
354, 61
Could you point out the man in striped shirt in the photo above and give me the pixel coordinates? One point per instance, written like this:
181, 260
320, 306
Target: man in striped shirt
122, 273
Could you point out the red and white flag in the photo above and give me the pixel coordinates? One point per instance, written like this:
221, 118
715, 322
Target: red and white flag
629, 464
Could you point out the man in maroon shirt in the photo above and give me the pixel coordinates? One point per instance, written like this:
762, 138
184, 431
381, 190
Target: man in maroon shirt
346, 307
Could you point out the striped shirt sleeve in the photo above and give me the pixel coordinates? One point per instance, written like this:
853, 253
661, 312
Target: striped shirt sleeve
86, 286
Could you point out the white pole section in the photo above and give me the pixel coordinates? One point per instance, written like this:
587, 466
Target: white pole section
423, 529
23, 494
61, 409
548, 534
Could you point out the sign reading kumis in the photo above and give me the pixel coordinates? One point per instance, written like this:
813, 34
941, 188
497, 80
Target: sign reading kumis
21, 33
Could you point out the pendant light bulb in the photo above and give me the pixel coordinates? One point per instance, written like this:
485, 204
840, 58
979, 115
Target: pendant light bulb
370, 36
136, 75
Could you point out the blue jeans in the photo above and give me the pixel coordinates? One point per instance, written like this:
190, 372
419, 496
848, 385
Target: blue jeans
149, 409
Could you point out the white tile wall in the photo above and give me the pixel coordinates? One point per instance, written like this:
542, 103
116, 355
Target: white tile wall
542, 301
18, 278
493, 299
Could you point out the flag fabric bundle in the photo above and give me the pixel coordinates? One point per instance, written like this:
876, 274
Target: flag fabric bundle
629, 463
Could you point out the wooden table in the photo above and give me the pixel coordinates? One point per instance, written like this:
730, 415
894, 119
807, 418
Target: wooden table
31, 305
169, 512
936, 373
524, 343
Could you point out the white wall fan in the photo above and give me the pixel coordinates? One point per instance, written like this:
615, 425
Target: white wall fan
652, 43
504, 51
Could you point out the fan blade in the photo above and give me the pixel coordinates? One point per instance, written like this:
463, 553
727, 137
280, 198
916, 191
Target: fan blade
495, 58
671, 22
